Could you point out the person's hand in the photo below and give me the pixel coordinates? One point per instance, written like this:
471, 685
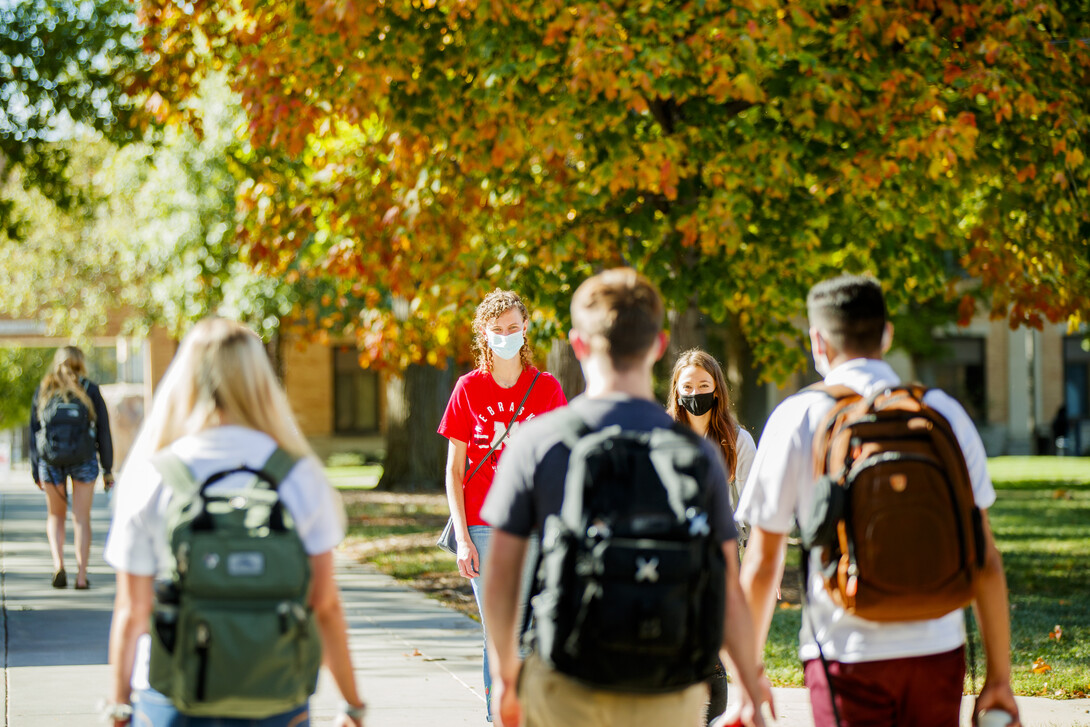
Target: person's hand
997, 696
506, 696
343, 720
108, 480
747, 711
468, 562
349, 716
766, 693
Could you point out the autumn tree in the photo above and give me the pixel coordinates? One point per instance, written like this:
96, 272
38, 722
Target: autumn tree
424, 150
421, 151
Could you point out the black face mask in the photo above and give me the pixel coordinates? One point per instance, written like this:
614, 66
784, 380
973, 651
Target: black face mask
697, 404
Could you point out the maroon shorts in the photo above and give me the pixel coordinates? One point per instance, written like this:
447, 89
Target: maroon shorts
919, 691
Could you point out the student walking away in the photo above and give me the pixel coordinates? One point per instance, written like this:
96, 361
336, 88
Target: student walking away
889, 486
637, 589
69, 440
222, 541
487, 406
699, 398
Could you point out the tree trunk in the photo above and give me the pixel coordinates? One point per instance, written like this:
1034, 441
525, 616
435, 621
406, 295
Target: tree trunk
562, 363
687, 330
415, 453
750, 402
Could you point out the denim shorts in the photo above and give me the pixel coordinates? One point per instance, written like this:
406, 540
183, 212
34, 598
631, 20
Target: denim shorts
82, 472
152, 709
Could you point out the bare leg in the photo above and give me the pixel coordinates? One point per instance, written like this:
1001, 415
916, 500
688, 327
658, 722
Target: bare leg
83, 495
57, 506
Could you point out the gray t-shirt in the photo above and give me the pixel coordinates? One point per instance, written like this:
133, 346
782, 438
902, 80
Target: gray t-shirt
529, 483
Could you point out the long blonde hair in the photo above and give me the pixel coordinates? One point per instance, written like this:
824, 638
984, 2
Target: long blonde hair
723, 427
65, 380
221, 371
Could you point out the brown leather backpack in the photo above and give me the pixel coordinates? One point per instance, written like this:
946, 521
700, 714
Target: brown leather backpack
899, 533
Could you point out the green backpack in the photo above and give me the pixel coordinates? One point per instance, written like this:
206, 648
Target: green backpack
231, 632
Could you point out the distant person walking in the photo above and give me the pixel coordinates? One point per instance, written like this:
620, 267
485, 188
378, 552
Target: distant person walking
699, 398
488, 405
890, 669
69, 440
220, 406
638, 586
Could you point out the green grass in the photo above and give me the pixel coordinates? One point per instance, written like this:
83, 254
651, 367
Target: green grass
409, 564
369, 519
354, 477
1041, 521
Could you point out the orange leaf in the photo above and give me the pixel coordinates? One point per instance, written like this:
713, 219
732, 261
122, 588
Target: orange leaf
1040, 667
1056, 633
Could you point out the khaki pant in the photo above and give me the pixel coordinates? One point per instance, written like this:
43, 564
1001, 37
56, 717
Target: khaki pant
551, 699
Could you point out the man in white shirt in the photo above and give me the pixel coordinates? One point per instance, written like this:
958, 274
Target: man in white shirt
901, 673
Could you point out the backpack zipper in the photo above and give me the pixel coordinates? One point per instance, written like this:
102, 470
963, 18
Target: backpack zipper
204, 636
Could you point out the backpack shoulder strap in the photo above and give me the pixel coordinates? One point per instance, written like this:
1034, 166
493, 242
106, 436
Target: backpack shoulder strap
835, 391
573, 428
176, 475
843, 397
278, 465
668, 448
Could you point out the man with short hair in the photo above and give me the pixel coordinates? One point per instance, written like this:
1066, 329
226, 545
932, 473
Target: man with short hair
907, 673
617, 337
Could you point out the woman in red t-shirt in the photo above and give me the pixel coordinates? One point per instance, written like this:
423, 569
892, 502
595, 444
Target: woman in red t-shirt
480, 416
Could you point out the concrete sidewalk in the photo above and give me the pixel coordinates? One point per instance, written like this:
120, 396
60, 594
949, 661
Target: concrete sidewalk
417, 662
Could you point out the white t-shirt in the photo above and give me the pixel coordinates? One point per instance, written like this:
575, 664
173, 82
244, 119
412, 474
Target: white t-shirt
781, 485
137, 542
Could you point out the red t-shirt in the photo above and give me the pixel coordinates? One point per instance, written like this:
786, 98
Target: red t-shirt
478, 413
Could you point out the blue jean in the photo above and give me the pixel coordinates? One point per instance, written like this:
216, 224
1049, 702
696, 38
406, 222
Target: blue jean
481, 535
152, 709
82, 472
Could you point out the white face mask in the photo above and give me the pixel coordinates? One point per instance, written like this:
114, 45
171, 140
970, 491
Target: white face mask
506, 347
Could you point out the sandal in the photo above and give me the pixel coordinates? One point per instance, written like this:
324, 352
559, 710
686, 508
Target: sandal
85, 586
60, 579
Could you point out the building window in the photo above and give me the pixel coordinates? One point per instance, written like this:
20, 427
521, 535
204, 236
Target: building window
1076, 428
959, 371
355, 394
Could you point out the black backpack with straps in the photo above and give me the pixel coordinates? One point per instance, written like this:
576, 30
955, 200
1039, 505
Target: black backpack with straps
66, 435
630, 587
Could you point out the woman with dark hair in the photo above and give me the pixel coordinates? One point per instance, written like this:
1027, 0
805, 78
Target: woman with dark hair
699, 397
486, 407
69, 439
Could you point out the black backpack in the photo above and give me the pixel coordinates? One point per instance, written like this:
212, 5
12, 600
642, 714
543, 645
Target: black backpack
630, 587
66, 435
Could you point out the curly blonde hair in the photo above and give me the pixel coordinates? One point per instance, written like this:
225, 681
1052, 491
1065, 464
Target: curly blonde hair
494, 305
